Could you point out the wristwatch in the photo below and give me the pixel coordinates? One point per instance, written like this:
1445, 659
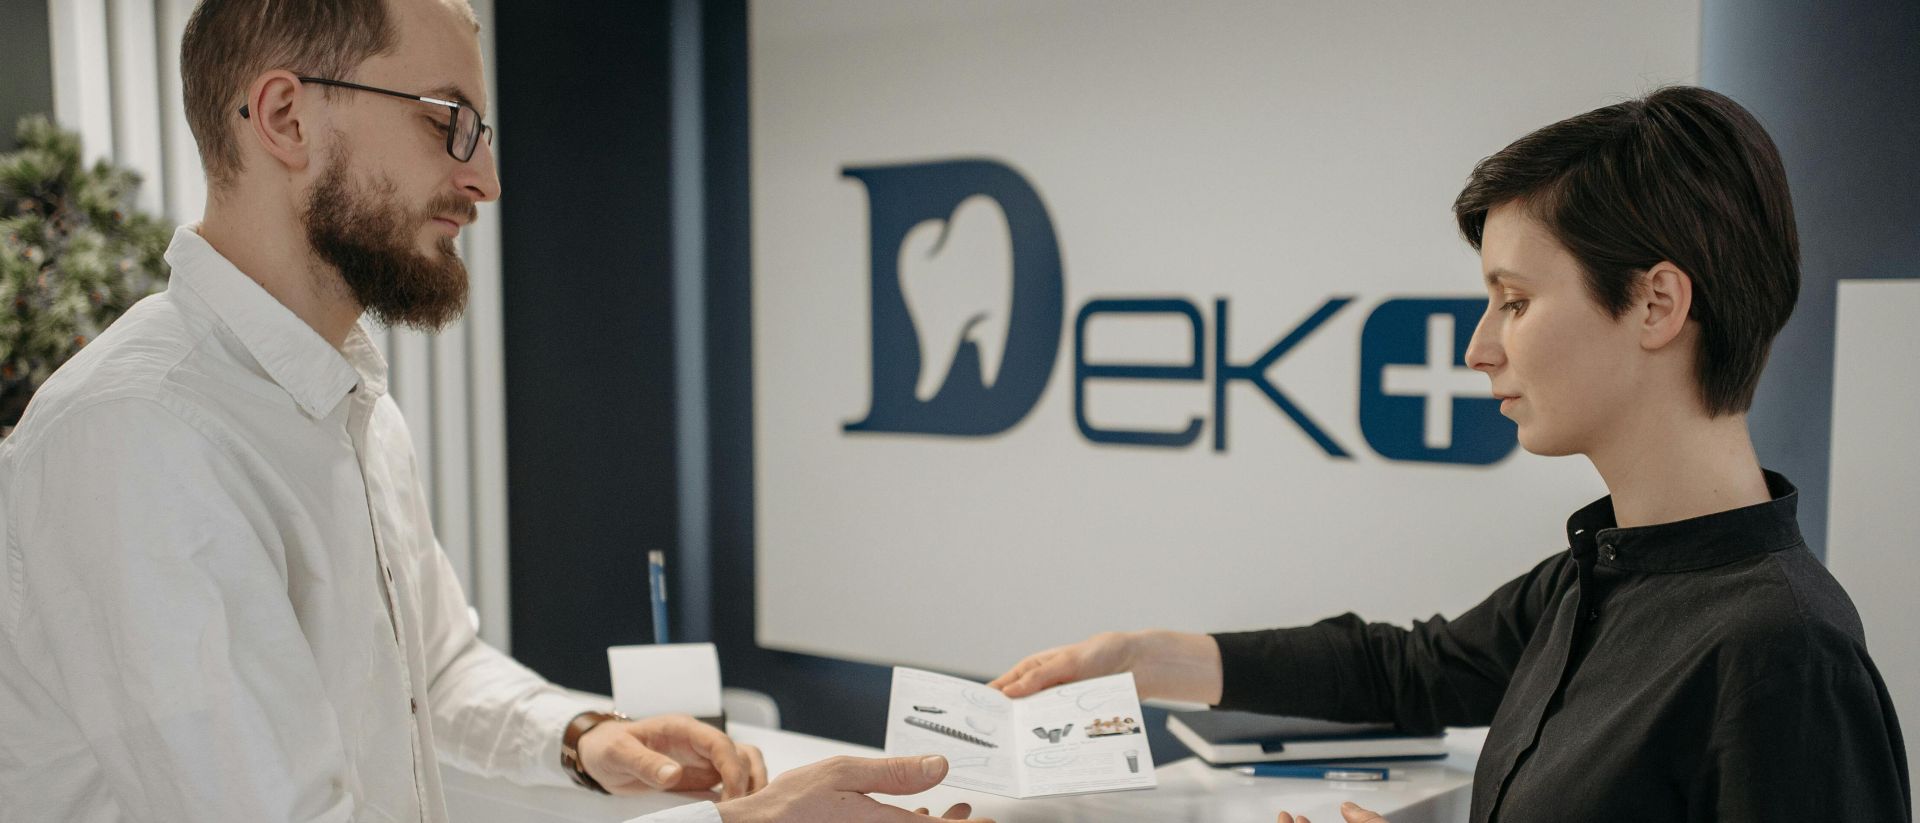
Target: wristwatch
570, 746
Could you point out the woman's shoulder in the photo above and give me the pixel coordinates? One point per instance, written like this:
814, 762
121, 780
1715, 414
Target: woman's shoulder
1782, 610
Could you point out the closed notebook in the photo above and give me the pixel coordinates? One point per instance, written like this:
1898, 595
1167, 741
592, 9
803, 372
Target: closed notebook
1224, 738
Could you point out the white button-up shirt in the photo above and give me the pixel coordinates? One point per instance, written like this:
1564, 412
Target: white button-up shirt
221, 596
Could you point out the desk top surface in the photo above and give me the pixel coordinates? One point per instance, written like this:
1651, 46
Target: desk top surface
1190, 790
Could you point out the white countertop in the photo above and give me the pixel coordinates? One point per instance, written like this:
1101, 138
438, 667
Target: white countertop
1189, 791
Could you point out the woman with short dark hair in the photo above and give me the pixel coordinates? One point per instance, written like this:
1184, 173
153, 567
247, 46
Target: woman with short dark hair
1686, 658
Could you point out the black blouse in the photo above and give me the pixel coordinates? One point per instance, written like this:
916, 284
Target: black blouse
1704, 670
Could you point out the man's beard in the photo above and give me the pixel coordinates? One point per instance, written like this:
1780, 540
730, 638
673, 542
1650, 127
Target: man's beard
368, 237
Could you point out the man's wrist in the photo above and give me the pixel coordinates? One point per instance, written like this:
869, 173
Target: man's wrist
576, 730
738, 810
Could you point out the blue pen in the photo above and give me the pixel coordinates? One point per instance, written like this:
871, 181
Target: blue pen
657, 592
1313, 772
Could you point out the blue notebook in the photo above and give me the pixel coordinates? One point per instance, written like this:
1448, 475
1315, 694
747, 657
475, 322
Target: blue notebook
1226, 738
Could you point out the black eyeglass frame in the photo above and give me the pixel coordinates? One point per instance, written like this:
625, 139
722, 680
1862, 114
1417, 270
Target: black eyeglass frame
481, 129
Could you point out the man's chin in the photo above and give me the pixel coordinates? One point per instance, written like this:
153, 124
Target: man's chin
438, 246
428, 311
422, 322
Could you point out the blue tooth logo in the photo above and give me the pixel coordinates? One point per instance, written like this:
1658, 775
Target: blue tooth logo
955, 351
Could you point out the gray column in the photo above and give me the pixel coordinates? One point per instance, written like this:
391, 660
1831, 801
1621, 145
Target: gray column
26, 64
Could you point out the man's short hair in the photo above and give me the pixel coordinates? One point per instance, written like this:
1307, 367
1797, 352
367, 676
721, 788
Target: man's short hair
1683, 175
230, 42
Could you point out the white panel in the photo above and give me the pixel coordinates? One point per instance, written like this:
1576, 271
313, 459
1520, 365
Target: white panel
136, 99
486, 394
1875, 483
486, 370
1271, 154
186, 182
383, 340
453, 486
410, 381
82, 82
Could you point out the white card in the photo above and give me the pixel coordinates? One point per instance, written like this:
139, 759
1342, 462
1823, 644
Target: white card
672, 678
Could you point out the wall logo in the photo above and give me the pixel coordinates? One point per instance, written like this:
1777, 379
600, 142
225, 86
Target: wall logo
1418, 398
928, 221
967, 303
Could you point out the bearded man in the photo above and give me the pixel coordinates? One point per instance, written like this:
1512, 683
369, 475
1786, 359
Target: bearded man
221, 597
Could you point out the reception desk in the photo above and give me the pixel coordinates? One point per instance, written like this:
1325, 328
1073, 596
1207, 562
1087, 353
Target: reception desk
1189, 791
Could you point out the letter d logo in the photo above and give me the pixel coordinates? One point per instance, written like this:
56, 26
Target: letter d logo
967, 297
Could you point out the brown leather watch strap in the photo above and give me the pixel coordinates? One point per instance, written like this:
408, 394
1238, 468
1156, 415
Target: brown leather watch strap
570, 746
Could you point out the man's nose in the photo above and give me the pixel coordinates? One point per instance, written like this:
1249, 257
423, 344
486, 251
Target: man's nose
479, 178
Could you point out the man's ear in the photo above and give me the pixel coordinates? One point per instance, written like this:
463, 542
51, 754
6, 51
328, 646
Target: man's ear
280, 118
1664, 302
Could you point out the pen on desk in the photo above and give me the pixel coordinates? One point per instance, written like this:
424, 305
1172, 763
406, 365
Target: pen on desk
1313, 772
657, 592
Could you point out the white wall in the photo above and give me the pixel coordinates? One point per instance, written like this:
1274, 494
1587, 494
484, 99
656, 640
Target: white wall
1272, 154
1871, 547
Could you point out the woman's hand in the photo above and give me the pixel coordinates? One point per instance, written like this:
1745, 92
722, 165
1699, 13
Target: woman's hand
1169, 665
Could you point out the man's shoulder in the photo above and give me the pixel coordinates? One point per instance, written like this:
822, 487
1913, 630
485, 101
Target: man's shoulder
130, 372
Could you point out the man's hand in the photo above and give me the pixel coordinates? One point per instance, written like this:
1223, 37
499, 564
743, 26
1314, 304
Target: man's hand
1173, 665
670, 753
835, 791
1349, 811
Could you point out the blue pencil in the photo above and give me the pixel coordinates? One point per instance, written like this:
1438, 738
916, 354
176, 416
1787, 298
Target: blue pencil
657, 592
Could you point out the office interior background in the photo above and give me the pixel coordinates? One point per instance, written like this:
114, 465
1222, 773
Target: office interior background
936, 333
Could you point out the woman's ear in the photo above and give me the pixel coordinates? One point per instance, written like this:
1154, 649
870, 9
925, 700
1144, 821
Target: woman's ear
280, 117
1664, 302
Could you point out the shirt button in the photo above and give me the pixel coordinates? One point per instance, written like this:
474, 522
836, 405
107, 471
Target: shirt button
1607, 551
413, 705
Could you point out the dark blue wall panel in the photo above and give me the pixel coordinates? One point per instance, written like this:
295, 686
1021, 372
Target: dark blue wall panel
588, 322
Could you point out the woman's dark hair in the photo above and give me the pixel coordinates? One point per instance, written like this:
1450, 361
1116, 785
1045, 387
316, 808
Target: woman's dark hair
1683, 175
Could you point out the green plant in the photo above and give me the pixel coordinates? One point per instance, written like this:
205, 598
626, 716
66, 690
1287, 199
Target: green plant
74, 255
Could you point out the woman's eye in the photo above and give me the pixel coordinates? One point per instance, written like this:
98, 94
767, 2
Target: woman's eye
1515, 306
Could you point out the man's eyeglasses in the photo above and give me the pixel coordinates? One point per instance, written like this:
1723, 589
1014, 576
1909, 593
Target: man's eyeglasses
464, 129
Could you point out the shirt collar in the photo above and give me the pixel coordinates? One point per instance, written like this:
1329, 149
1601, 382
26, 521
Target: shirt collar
294, 355
1687, 545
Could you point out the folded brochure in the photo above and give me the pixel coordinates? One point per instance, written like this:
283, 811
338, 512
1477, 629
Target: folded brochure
1079, 738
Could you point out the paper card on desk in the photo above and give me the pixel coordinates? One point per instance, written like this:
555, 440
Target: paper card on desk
667, 678
1075, 739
